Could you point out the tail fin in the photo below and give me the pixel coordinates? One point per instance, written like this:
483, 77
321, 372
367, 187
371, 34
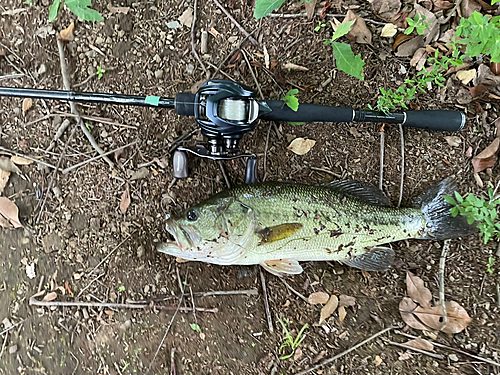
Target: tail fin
440, 224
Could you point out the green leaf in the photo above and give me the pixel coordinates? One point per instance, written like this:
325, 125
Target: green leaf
454, 211
53, 10
265, 7
291, 101
81, 9
470, 220
450, 200
342, 29
195, 327
346, 61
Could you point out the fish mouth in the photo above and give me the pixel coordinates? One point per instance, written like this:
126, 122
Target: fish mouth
184, 237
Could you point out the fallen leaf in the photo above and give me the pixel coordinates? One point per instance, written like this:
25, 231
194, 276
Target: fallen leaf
466, 75
453, 140
27, 104
30, 272
377, 361
298, 352
486, 158
468, 7
310, 7
386, 9
458, 319
342, 314
197, 85
478, 91
441, 5
359, 32
494, 67
406, 308
486, 78
419, 58
295, 67
186, 18
114, 10
140, 173
404, 356
67, 34
7, 165
125, 201
4, 178
419, 343
400, 39
417, 291
266, 58
318, 297
327, 5
479, 182
329, 308
301, 146
388, 31
346, 300
50, 297
20, 161
409, 47
10, 212
68, 289
214, 32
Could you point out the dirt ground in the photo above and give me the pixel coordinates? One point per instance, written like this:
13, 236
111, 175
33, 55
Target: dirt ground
84, 244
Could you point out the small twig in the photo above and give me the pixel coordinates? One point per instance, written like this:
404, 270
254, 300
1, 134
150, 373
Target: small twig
73, 167
334, 358
89, 284
253, 74
172, 362
28, 157
326, 171
12, 326
110, 253
224, 173
433, 355
3, 345
294, 291
382, 149
442, 260
498, 295
452, 349
452, 12
77, 363
249, 292
265, 154
193, 49
192, 303
254, 42
92, 76
102, 120
402, 164
60, 131
266, 301
10, 76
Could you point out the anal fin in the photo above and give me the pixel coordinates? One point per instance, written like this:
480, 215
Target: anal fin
377, 259
280, 267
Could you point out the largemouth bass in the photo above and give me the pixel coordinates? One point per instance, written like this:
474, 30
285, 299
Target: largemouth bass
279, 224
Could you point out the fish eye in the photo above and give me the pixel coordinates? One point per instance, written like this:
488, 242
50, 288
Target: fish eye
191, 216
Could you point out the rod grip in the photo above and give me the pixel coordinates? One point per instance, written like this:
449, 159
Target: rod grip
447, 121
306, 113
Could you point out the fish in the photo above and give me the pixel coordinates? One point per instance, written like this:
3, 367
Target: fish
279, 224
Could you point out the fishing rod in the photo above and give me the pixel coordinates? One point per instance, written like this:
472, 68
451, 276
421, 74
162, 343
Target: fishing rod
226, 110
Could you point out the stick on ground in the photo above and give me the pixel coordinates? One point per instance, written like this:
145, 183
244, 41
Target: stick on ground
266, 301
442, 260
433, 355
193, 49
252, 39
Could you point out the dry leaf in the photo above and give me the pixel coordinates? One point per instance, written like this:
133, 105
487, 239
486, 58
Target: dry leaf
441, 5
295, 67
495, 68
359, 32
10, 212
417, 57
50, 297
486, 78
125, 201
453, 140
298, 352
4, 178
386, 9
266, 58
408, 48
468, 7
377, 361
329, 308
400, 39
388, 31
419, 343
417, 291
458, 319
7, 165
20, 161
115, 10
466, 75
318, 297
301, 146
27, 104
487, 158
406, 308
67, 34
342, 314
186, 18
346, 300
310, 9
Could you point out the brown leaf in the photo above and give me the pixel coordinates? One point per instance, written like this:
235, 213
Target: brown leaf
298, 352
346, 300
7, 165
453, 140
20, 161
27, 104
478, 91
486, 77
125, 201
4, 178
466, 75
295, 67
181, 260
197, 85
401, 38
318, 297
417, 291
301, 146
487, 158
458, 319
50, 297
342, 314
10, 212
386, 9
310, 9
329, 308
441, 5
67, 34
359, 32
327, 5
186, 18
409, 47
468, 7
406, 308
419, 343
495, 68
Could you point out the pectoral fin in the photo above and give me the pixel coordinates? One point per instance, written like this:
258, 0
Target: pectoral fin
278, 232
377, 259
281, 266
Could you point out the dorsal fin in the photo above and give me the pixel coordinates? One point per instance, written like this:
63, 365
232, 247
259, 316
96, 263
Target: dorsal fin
362, 191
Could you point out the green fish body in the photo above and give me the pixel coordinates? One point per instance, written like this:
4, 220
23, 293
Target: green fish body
279, 224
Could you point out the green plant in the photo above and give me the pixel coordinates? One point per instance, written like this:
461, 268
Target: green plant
121, 289
265, 7
489, 266
321, 25
80, 8
289, 344
100, 71
290, 99
346, 60
195, 327
477, 210
417, 23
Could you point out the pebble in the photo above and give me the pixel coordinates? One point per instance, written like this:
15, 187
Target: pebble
140, 251
6, 323
12, 349
42, 69
146, 289
17, 111
159, 74
57, 192
173, 25
190, 69
453, 357
204, 42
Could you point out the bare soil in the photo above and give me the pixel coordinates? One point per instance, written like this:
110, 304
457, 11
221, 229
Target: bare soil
81, 225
